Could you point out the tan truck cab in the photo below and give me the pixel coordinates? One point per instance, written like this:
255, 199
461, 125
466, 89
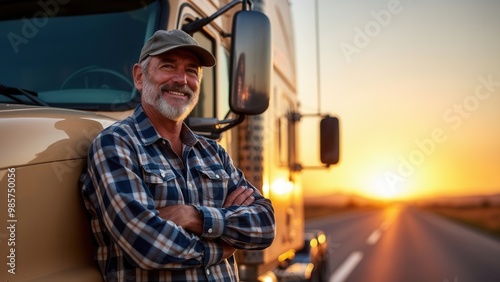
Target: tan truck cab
66, 73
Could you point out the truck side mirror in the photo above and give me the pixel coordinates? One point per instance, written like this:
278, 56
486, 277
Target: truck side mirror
329, 140
250, 63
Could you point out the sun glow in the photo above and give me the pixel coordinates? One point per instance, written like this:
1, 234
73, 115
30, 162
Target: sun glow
383, 190
417, 126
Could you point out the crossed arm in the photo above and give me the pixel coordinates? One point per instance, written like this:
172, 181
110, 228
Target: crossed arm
187, 216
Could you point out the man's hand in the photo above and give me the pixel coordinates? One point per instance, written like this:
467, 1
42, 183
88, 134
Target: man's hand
240, 197
227, 250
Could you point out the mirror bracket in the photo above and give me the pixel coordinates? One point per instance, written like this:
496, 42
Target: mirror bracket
211, 127
329, 139
199, 23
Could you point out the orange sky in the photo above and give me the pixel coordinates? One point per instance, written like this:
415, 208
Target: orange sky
416, 85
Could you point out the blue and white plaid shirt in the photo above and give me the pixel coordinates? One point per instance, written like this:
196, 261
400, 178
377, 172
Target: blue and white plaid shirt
132, 171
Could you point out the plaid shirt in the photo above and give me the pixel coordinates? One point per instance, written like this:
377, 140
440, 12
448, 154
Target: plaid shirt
132, 171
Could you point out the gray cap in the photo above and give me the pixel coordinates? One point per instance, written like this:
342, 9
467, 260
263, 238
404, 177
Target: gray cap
163, 41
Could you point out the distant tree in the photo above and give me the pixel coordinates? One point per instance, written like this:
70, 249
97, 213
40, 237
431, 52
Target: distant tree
486, 203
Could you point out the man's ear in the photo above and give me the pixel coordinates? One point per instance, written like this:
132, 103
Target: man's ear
137, 73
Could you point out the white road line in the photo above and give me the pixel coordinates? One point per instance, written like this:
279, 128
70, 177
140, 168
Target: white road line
347, 267
374, 237
341, 274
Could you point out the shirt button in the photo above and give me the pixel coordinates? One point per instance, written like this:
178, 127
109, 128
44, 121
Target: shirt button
208, 272
163, 142
217, 176
162, 174
209, 230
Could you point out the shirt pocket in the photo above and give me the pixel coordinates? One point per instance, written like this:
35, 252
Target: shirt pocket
162, 184
214, 186
156, 173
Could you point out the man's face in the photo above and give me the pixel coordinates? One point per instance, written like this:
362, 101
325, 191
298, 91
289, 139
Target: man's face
171, 83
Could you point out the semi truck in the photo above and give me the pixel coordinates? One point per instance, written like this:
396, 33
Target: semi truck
65, 74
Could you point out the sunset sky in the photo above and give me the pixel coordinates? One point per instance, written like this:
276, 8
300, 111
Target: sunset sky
416, 85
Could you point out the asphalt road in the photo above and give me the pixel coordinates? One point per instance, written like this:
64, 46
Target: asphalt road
407, 244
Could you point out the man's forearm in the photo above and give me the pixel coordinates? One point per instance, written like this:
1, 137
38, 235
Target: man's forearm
186, 216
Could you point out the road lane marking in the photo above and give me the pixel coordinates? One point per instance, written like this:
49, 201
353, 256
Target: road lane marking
373, 238
346, 267
341, 274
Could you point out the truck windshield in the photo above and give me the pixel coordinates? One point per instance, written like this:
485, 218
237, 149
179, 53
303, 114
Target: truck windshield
74, 54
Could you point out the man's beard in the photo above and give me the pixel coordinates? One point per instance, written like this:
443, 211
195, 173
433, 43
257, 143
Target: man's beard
154, 98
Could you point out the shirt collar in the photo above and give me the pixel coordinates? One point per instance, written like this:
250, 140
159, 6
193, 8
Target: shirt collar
148, 134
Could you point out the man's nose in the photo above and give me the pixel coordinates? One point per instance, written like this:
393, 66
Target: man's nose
180, 77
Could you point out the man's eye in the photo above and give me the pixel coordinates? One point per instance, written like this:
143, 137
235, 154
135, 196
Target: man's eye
167, 66
193, 71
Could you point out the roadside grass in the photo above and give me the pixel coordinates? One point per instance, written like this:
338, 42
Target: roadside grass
483, 218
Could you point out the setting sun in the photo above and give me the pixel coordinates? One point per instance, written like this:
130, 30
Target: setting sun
379, 188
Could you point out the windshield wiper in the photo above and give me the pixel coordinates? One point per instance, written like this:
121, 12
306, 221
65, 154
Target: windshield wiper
11, 92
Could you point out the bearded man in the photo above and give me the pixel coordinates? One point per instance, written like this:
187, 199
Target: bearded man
164, 203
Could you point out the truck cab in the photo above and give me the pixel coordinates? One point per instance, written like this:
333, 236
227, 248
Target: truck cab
66, 73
